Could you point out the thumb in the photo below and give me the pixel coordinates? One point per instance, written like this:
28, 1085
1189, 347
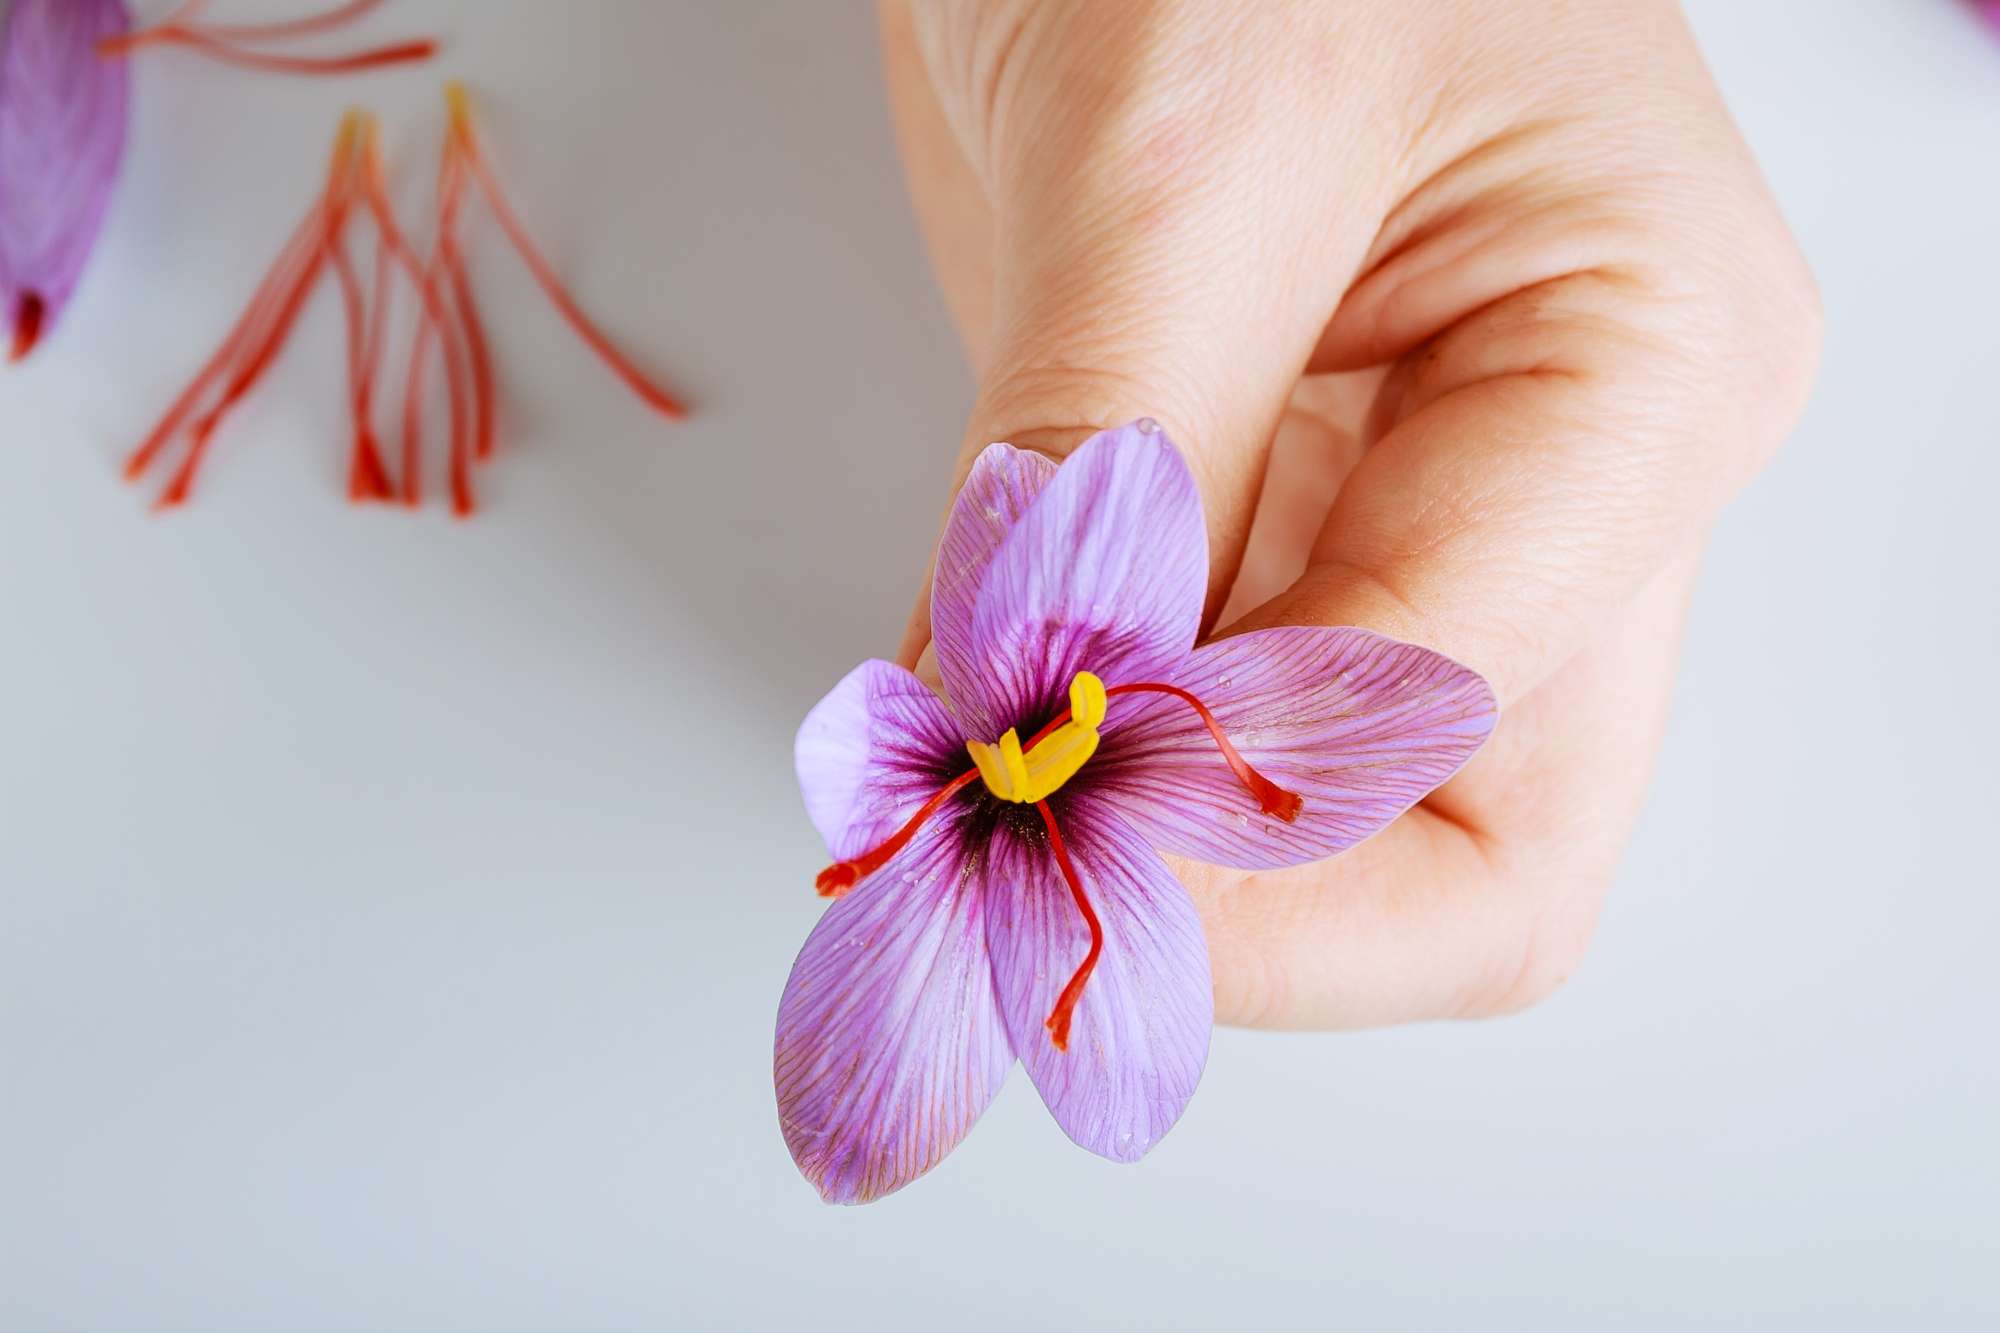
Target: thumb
1123, 284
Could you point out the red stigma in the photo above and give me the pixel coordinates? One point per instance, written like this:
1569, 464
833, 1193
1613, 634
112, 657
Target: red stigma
1059, 1018
28, 318
841, 876
1275, 800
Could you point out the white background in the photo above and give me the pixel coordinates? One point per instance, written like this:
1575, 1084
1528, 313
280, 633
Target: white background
393, 911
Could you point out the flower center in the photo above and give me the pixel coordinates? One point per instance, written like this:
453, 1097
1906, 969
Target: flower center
1051, 758
1028, 775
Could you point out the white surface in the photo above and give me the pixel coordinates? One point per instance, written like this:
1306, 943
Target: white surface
392, 912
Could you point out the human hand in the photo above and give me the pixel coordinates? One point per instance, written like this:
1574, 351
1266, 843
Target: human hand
1469, 317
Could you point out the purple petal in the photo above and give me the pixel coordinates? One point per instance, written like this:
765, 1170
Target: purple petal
877, 747
889, 1039
1139, 1037
1003, 483
1105, 572
1361, 726
62, 132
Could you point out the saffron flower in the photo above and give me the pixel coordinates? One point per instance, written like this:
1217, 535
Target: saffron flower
62, 136
1016, 907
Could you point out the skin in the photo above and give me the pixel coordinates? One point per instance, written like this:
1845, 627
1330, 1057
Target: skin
1470, 317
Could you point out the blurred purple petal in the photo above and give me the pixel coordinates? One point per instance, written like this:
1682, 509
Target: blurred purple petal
1106, 572
62, 133
1003, 482
889, 1040
1359, 725
877, 747
1988, 10
1139, 1038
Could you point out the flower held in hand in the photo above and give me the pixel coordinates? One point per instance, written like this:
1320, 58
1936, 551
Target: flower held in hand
1017, 908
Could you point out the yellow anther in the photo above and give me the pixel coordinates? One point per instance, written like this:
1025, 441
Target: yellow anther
1086, 701
1015, 764
987, 759
1035, 775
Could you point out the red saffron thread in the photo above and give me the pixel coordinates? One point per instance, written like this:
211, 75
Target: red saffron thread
1059, 1017
253, 343
401, 53
489, 186
474, 329
283, 316
371, 359
841, 876
367, 478
1275, 800
433, 316
246, 325
441, 270
231, 43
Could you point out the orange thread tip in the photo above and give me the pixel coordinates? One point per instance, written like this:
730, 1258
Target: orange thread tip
836, 879
1283, 804
27, 327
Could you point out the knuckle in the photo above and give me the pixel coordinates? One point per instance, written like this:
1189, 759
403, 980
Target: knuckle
1544, 943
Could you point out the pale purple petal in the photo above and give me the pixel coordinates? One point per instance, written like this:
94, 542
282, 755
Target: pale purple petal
1106, 572
1003, 482
889, 1042
1139, 1038
1361, 726
62, 133
871, 752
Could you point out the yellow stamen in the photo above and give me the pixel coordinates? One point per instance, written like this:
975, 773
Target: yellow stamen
1035, 775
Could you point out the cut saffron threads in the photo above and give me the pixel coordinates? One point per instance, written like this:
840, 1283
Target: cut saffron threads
367, 478
238, 43
448, 326
261, 332
432, 317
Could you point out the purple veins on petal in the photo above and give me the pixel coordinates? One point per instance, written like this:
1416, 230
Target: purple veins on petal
889, 1040
986, 918
1106, 572
1003, 483
871, 752
1138, 1039
62, 135
1361, 726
